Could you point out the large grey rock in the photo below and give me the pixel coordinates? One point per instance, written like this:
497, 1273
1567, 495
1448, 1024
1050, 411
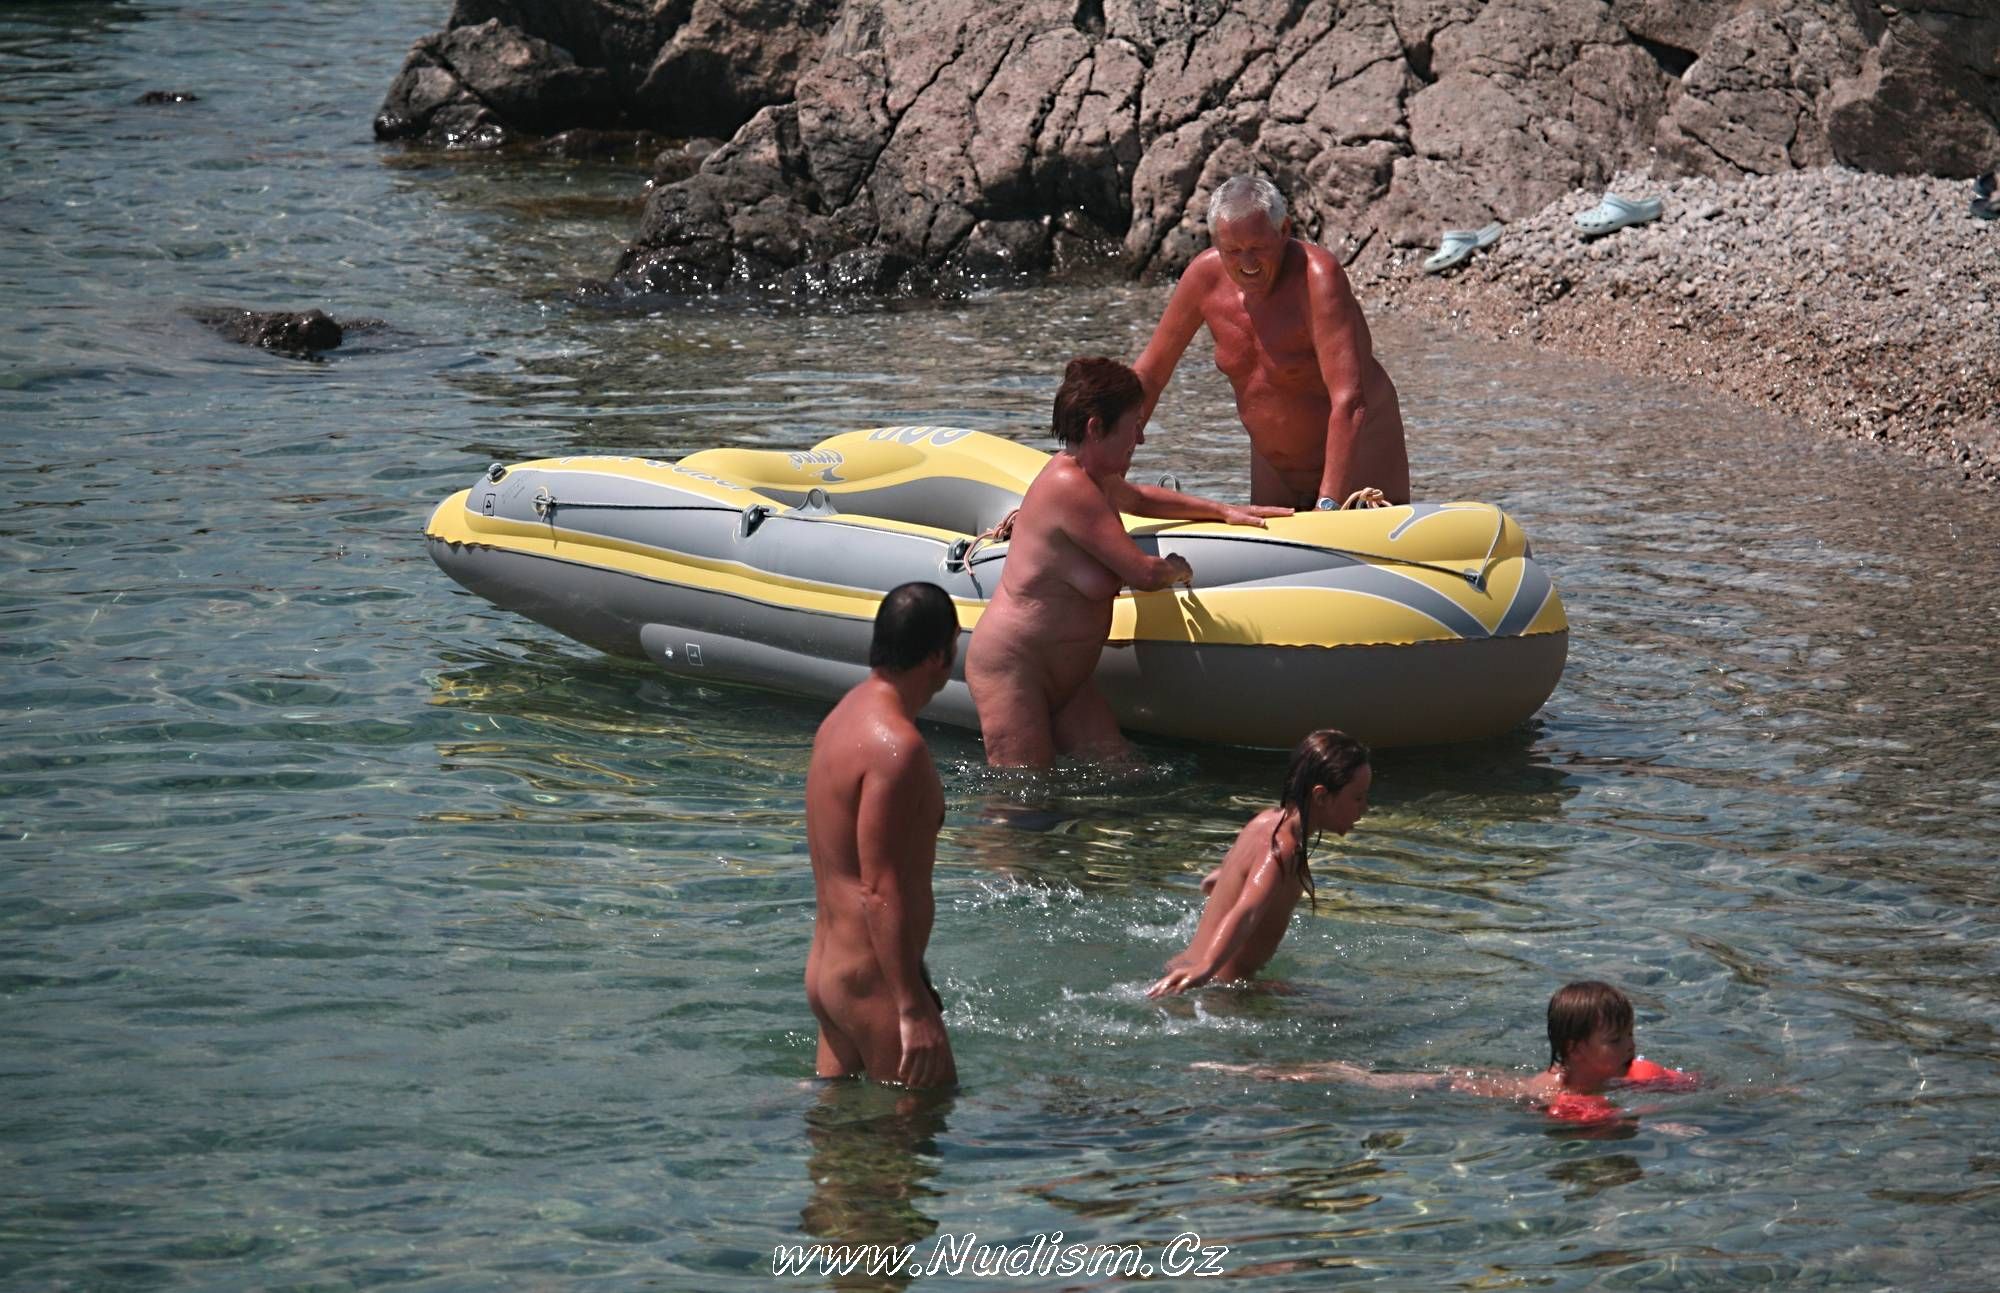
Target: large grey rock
727, 60
950, 138
1749, 104
1913, 108
472, 86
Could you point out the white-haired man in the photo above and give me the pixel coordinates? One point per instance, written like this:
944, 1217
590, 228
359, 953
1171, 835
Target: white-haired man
1325, 428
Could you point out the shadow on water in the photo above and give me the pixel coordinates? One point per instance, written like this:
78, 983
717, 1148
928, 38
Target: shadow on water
1588, 1177
871, 1158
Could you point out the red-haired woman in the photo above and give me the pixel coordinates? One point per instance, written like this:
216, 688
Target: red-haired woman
1032, 655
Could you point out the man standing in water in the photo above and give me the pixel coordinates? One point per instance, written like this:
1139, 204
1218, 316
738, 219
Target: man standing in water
873, 808
1325, 428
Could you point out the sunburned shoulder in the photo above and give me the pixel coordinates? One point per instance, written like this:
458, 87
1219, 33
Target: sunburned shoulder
1205, 275
1207, 264
866, 729
1323, 271
896, 739
1065, 483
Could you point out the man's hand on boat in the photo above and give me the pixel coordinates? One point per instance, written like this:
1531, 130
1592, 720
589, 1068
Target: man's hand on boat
1252, 514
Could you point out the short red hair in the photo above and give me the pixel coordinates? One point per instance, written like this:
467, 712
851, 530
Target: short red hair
1094, 386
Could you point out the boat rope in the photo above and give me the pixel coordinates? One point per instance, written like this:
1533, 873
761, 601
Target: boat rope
960, 557
547, 503
1477, 578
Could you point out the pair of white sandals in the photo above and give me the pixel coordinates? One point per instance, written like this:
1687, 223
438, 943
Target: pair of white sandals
1611, 214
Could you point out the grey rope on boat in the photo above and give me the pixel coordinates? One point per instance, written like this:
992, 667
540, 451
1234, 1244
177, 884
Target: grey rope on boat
547, 503
1477, 578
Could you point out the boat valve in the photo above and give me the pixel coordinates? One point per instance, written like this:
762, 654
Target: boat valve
497, 472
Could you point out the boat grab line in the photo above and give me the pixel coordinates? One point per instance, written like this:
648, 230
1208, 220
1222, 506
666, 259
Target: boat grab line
546, 505
1477, 578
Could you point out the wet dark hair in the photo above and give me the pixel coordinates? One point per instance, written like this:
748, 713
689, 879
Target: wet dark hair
1094, 387
1580, 1010
1324, 758
915, 622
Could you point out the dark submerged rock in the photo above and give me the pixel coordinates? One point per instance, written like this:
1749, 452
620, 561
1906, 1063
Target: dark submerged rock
153, 98
303, 333
586, 142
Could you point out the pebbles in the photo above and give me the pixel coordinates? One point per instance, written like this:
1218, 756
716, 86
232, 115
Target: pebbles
1858, 304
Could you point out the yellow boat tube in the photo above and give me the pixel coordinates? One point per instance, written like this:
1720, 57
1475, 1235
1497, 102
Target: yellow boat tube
1411, 625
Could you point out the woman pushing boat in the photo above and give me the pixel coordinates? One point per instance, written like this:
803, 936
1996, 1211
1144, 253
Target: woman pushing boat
1030, 662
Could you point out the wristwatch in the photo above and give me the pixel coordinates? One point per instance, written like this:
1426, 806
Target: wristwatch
1326, 504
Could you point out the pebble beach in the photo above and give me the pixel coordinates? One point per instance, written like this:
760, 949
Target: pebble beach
1861, 305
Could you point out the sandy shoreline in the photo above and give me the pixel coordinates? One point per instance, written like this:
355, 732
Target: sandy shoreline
1866, 307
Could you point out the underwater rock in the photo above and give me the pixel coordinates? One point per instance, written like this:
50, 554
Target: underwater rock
303, 333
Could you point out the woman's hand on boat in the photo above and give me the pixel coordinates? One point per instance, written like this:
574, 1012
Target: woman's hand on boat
1255, 514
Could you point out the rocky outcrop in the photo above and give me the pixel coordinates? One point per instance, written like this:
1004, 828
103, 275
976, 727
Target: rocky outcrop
883, 145
507, 68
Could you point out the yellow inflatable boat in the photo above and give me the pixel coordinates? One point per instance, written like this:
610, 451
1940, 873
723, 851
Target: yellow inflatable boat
1406, 625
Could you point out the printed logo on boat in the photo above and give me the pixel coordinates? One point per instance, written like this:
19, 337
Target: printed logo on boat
826, 458
938, 436
704, 477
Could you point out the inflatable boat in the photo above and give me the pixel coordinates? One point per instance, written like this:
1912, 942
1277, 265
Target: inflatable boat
1409, 625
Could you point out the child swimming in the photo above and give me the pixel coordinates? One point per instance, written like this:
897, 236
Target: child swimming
1590, 1047
1252, 894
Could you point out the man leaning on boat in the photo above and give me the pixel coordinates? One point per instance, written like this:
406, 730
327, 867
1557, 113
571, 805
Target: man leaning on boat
1325, 426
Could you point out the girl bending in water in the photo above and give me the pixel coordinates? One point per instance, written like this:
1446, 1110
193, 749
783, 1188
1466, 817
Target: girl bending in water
1252, 894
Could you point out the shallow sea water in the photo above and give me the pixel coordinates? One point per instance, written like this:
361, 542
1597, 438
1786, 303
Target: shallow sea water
354, 934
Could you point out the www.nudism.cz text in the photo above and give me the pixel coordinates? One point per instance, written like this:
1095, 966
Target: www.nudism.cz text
1043, 1257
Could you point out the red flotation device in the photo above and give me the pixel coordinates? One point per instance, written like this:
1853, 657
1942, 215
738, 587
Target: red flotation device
1572, 1106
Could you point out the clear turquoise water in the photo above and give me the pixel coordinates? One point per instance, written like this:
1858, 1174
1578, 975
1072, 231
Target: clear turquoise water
353, 934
